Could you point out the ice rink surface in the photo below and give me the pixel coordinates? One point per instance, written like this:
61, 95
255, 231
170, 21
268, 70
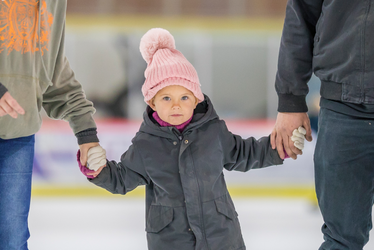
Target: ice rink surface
118, 224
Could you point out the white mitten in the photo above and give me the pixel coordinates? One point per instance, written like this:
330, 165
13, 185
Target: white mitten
298, 137
96, 158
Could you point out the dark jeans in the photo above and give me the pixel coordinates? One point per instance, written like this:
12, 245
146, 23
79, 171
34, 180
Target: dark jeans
344, 177
16, 161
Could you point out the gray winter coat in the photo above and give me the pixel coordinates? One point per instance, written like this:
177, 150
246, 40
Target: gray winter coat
187, 203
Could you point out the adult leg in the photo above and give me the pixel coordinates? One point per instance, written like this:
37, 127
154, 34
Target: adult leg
16, 160
344, 175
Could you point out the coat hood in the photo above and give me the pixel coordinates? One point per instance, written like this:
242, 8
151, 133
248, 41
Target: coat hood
203, 113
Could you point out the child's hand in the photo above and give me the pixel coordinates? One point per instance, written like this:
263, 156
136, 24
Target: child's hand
298, 137
96, 158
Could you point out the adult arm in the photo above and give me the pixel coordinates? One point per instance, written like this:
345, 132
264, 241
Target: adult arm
294, 71
281, 135
66, 100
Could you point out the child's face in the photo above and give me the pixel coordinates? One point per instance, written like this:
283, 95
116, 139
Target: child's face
174, 104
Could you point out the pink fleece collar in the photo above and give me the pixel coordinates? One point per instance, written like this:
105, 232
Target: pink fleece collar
162, 123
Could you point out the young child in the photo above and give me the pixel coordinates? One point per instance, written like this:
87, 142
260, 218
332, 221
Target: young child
179, 153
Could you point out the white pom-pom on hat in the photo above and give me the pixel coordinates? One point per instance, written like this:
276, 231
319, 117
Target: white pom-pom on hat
153, 40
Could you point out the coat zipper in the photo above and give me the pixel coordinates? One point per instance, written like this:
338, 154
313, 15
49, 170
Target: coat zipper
177, 134
201, 208
180, 137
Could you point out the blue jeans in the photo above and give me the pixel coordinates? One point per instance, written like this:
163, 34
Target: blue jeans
344, 178
16, 161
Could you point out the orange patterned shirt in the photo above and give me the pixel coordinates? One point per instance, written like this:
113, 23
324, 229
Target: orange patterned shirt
20, 29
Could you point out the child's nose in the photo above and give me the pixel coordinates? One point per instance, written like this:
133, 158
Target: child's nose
176, 105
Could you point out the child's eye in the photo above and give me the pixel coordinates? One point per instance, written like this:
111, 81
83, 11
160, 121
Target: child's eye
166, 98
185, 98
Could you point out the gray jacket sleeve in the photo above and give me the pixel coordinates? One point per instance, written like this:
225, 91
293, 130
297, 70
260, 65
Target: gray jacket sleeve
244, 154
125, 176
296, 54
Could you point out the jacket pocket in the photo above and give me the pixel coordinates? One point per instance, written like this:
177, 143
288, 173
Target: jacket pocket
158, 218
224, 208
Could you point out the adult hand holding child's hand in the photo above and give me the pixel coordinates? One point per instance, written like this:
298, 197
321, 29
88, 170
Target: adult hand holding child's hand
95, 163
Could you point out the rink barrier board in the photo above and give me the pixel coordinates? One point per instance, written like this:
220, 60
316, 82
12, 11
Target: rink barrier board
64, 179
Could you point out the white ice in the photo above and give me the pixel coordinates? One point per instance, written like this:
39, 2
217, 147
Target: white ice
118, 223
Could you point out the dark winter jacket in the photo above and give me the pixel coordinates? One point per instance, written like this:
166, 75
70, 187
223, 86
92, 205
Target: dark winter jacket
187, 203
335, 40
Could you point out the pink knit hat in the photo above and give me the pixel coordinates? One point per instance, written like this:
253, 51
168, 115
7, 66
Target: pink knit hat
166, 65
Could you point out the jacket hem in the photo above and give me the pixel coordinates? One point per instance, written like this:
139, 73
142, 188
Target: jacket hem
348, 93
331, 90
